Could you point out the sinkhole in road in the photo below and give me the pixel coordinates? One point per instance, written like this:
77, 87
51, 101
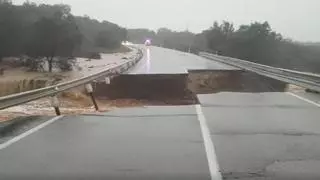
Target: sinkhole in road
181, 89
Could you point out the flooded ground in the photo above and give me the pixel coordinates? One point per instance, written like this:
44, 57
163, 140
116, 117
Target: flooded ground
15, 80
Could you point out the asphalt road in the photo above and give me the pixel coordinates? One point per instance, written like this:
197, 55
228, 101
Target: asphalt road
271, 136
249, 136
158, 143
158, 60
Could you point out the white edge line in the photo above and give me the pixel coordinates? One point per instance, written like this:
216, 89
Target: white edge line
27, 133
304, 99
144, 65
210, 151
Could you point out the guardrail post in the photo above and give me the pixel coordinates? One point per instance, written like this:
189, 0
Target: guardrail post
107, 79
55, 103
90, 92
312, 91
20, 98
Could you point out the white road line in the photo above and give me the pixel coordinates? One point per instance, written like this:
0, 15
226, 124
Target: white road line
304, 99
27, 133
146, 66
141, 69
211, 154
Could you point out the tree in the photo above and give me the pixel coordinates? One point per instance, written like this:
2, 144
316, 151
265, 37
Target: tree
105, 39
18, 29
256, 42
99, 36
8, 28
110, 38
5, 2
55, 36
219, 35
139, 36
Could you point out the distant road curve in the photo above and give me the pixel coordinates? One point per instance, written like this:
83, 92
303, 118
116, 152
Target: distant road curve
158, 60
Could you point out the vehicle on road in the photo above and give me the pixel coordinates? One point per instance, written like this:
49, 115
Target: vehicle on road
147, 42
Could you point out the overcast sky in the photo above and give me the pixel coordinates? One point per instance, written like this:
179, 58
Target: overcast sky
297, 19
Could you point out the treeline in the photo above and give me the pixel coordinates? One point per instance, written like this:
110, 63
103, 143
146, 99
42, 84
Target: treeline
50, 34
255, 42
164, 37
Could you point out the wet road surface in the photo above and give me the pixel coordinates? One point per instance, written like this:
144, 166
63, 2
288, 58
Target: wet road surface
159, 143
158, 60
264, 135
271, 136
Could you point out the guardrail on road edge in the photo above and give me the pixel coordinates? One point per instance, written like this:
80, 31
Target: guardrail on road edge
303, 79
24, 97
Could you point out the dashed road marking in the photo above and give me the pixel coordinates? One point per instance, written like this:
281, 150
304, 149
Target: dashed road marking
304, 99
27, 133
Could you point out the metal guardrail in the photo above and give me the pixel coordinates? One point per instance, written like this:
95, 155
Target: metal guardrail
303, 79
24, 97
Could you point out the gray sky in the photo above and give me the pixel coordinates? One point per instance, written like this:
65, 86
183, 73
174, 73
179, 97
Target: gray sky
297, 19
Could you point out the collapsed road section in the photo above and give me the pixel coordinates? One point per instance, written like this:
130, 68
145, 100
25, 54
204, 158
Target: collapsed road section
181, 89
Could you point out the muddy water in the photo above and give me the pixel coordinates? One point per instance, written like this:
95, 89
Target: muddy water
181, 89
17, 86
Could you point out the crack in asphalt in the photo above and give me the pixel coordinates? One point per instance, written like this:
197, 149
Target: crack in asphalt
242, 106
133, 116
266, 133
242, 175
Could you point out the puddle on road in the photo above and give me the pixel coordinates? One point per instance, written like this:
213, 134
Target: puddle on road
181, 89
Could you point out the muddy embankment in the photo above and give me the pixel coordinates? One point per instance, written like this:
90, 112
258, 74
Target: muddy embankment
17, 86
205, 82
173, 89
153, 89
142, 90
